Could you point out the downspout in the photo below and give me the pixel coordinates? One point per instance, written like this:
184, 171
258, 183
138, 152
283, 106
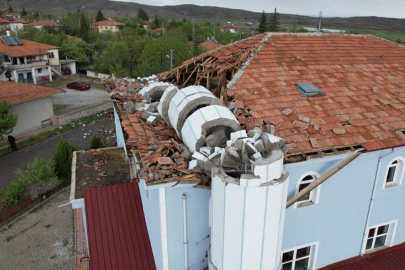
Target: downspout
185, 231
370, 207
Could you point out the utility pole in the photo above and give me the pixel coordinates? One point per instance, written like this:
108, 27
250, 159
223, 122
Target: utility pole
193, 28
171, 59
320, 21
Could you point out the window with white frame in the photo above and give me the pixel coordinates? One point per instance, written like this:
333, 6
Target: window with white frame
298, 259
394, 173
380, 236
311, 197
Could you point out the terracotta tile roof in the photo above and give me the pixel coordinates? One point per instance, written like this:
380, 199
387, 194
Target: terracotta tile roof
157, 31
392, 258
45, 23
146, 23
4, 20
229, 27
107, 23
362, 77
29, 48
116, 228
14, 93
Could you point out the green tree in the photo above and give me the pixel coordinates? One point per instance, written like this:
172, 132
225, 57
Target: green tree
84, 26
156, 21
196, 49
62, 161
115, 53
38, 171
23, 12
143, 15
274, 22
78, 50
13, 193
294, 27
7, 120
96, 143
99, 16
263, 26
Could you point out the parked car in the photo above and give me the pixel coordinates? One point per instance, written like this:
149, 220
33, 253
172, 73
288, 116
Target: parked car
79, 85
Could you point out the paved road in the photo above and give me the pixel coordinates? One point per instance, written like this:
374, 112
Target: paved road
46, 149
43, 239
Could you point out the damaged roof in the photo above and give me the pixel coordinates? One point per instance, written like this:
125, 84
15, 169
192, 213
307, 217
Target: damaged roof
362, 77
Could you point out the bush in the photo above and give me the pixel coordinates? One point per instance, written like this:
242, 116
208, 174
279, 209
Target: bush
96, 143
38, 171
62, 161
13, 193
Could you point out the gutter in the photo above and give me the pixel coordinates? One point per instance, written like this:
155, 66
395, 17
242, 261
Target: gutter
185, 232
323, 177
370, 207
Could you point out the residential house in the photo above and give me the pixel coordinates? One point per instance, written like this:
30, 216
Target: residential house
157, 31
110, 17
301, 169
107, 25
40, 24
146, 24
12, 22
32, 103
230, 28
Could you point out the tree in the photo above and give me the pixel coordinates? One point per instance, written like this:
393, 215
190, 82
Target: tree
115, 53
99, 16
38, 171
294, 27
96, 143
143, 15
13, 193
84, 26
156, 21
7, 120
274, 23
73, 49
263, 27
23, 12
62, 161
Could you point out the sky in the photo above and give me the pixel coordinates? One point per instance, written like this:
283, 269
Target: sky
329, 8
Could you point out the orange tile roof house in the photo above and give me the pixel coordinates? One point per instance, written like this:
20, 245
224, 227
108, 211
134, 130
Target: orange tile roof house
40, 24
32, 103
12, 21
27, 61
107, 25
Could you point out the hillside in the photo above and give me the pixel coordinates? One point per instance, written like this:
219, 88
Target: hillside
200, 12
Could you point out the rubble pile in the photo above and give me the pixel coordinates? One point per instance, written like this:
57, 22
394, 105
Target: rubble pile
240, 151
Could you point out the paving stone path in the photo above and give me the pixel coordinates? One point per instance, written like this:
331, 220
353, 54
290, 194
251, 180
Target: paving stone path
43, 239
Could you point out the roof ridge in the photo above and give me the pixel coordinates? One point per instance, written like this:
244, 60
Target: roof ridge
241, 71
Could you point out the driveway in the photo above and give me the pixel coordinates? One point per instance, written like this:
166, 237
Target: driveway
74, 99
43, 239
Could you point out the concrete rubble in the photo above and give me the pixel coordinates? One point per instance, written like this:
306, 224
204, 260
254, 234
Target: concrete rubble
214, 137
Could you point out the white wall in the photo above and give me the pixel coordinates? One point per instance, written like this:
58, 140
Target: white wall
31, 113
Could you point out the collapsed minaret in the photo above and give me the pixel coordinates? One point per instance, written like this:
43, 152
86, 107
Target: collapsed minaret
249, 182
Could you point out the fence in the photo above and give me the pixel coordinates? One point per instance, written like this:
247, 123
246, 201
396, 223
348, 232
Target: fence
15, 209
97, 75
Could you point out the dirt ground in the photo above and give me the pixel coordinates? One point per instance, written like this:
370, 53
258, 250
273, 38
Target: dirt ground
74, 99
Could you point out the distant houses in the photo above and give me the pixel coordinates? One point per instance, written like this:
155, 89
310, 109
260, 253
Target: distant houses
230, 28
107, 25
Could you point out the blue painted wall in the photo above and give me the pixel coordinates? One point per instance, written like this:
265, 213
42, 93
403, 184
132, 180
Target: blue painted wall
339, 219
198, 229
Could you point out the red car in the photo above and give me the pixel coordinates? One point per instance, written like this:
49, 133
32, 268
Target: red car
79, 85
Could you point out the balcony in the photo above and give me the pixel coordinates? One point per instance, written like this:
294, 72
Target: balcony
28, 65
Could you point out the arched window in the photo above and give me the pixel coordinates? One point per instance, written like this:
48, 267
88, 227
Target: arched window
394, 173
304, 183
312, 196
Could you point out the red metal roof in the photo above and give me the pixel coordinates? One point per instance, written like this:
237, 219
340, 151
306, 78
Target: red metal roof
116, 228
362, 78
392, 258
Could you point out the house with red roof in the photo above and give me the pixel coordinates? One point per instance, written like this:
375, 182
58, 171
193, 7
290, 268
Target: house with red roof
145, 24
280, 151
41, 23
12, 21
230, 28
107, 25
32, 103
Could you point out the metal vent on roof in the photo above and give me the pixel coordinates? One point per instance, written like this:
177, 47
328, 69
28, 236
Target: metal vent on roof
11, 40
309, 90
